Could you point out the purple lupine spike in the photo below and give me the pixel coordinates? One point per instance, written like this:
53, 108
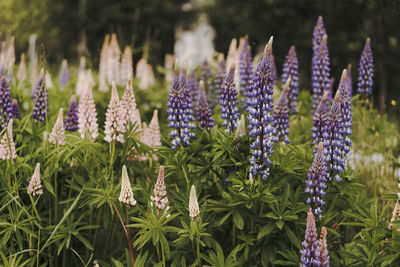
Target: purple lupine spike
40, 100
193, 86
318, 33
203, 111
291, 68
274, 71
281, 115
15, 110
180, 113
229, 101
365, 79
219, 74
349, 81
205, 76
316, 182
319, 121
322, 249
5, 103
63, 78
259, 107
245, 70
72, 120
310, 243
345, 99
320, 73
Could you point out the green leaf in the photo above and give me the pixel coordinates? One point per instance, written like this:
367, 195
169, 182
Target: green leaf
85, 242
280, 224
238, 220
265, 230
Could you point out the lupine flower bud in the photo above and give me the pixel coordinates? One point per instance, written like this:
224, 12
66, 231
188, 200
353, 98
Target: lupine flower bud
318, 34
5, 103
203, 111
87, 116
57, 136
63, 78
72, 121
310, 243
35, 186
126, 195
322, 249
114, 125
40, 100
260, 104
291, 69
21, 73
229, 101
7, 145
241, 128
365, 79
320, 119
15, 110
316, 182
320, 73
281, 115
245, 69
160, 198
194, 209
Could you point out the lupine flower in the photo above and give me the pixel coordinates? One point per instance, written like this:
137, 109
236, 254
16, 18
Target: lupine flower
57, 136
241, 128
229, 101
322, 249
310, 243
233, 54
34, 75
151, 134
203, 111
114, 55
349, 81
21, 73
63, 78
87, 116
115, 118
168, 63
205, 77
320, 119
7, 145
5, 103
72, 121
144, 74
365, 79
395, 215
40, 100
14, 113
316, 182
318, 34
219, 74
260, 104
128, 108
49, 81
291, 69
160, 198
193, 86
103, 66
274, 72
345, 99
35, 186
245, 70
126, 72
320, 73
194, 209
281, 115
180, 113
126, 195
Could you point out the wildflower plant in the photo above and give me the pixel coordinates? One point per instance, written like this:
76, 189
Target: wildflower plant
281, 115
228, 101
365, 79
40, 100
291, 69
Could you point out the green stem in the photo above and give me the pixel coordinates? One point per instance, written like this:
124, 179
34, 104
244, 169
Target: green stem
163, 257
198, 242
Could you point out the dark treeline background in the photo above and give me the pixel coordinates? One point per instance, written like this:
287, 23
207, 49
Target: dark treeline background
64, 24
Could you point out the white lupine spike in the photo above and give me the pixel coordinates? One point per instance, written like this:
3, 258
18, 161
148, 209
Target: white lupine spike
144, 74
395, 215
114, 54
57, 136
160, 198
168, 65
21, 73
49, 81
128, 106
35, 186
103, 67
126, 71
87, 116
126, 195
114, 125
34, 78
151, 135
7, 145
194, 209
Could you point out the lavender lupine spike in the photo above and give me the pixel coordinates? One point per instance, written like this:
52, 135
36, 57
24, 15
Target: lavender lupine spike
203, 111
63, 78
15, 113
219, 74
316, 182
318, 34
291, 69
310, 243
72, 121
5, 103
365, 79
320, 119
345, 99
229, 101
245, 70
205, 76
322, 249
320, 73
193, 86
160, 198
260, 104
281, 115
40, 100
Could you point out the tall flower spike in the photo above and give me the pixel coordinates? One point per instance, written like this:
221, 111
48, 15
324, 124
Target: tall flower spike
144, 74
245, 70
126, 72
229, 101
15, 110
63, 77
310, 243
395, 215
365, 79
281, 115
345, 99
291, 69
316, 182
322, 249
194, 210
87, 116
5, 103
114, 125
103, 66
206, 76
35, 186
72, 121
160, 198
40, 100
21, 73
260, 104
320, 119
320, 73
203, 111
193, 86
219, 74
151, 134
7, 145
126, 195
128, 107
318, 33
57, 136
